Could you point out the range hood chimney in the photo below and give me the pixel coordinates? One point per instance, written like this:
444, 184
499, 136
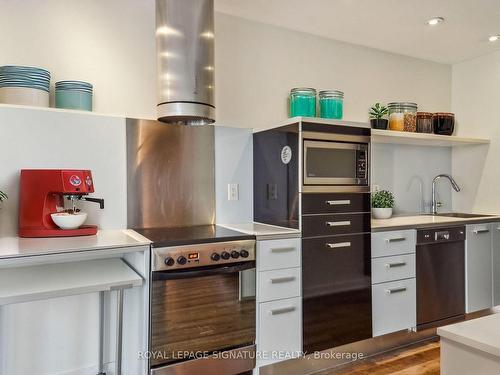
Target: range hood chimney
185, 56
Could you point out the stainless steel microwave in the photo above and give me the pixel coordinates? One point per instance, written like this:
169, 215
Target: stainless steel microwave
337, 161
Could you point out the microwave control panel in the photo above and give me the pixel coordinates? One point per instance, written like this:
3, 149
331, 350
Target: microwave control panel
362, 164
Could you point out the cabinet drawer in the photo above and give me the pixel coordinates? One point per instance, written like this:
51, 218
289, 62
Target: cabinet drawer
331, 225
280, 328
276, 254
393, 268
335, 203
393, 243
279, 284
394, 306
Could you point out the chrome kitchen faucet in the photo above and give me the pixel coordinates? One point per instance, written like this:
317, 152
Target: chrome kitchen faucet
454, 185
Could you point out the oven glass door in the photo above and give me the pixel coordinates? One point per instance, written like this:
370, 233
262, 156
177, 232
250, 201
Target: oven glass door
334, 163
201, 311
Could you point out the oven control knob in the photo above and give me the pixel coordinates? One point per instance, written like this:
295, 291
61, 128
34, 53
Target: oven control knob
244, 253
169, 261
181, 260
235, 254
215, 257
225, 255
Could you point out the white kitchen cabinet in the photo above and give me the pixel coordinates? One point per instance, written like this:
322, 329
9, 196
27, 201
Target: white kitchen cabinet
495, 233
478, 265
396, 267
394, 296
394, 306
279, 300
278, 254
279, 284
280, 327
393, 242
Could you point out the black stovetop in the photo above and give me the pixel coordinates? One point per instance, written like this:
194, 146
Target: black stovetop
162, 237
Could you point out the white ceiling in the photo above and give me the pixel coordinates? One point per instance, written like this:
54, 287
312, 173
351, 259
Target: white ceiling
397, 26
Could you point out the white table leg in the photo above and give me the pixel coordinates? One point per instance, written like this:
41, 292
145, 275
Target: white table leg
119, 331
101, 334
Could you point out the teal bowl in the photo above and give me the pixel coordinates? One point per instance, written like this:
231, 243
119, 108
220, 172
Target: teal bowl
74, 99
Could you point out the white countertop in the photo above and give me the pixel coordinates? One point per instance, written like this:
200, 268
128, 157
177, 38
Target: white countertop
420, 221
263, 231
482, 333
14, 247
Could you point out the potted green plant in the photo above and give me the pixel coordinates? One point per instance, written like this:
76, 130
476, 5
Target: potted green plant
382, 204
378, 114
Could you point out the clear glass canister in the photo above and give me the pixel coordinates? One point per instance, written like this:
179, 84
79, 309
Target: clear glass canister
403, 116
303, 102
424, 122
331, 104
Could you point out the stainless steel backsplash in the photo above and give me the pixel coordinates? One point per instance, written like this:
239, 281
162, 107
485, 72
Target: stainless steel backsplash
170, 175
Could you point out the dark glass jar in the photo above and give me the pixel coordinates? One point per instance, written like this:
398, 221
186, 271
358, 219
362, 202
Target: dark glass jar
444, 123
424, 122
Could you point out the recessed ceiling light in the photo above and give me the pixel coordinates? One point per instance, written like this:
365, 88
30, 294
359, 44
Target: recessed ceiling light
494, 38
435, 21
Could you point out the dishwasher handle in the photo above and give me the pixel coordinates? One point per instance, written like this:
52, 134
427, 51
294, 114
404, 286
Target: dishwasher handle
439, 235
442, 235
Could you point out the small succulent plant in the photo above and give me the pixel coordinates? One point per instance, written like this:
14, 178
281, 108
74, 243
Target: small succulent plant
3, 196
382, 199
378, 111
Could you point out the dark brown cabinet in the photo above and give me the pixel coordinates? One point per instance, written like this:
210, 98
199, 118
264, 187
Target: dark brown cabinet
336, 270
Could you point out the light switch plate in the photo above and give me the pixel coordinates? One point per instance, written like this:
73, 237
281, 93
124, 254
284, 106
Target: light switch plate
233, 192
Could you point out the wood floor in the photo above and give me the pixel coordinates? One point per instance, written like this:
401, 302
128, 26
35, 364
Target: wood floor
421, 359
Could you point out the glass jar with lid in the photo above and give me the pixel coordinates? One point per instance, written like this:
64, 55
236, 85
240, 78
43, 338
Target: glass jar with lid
331, 104
424, 122
403, 116
303, 102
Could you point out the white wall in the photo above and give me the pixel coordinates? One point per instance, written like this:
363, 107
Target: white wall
108, 43
32, 138
112, 44
257, 64
475, 101
233, 165
408, 171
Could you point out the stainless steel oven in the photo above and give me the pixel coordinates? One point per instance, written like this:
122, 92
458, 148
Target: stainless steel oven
336, 160
203, 309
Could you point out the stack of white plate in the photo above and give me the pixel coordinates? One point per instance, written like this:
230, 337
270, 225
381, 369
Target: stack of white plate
24, 85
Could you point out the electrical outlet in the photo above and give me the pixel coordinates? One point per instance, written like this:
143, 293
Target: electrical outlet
233, 192
272, 192
376, 187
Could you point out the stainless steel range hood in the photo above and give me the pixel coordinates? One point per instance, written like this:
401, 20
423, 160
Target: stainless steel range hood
185, 54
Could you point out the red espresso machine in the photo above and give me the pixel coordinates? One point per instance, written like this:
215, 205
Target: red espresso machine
42, 192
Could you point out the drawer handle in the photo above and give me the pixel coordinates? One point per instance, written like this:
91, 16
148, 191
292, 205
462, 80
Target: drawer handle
338, 245
479, 231
395, 290
397, 239
395, 264
338, 223
283, 310
282, 249
339, 202
285, 279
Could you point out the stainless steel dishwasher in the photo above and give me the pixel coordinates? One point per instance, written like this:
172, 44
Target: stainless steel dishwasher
440, 276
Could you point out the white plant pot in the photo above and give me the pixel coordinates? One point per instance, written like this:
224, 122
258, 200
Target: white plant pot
382, 213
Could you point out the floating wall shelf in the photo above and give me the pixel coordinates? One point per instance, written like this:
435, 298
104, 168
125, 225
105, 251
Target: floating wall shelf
423, 139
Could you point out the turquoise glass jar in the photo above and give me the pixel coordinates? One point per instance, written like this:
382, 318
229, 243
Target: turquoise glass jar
303, 102
331, 104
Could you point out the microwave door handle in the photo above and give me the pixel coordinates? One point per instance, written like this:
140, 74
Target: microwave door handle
189, 272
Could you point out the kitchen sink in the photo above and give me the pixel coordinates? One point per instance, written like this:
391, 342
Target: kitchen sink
461, 215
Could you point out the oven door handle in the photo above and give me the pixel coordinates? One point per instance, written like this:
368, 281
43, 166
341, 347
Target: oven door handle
188, 273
